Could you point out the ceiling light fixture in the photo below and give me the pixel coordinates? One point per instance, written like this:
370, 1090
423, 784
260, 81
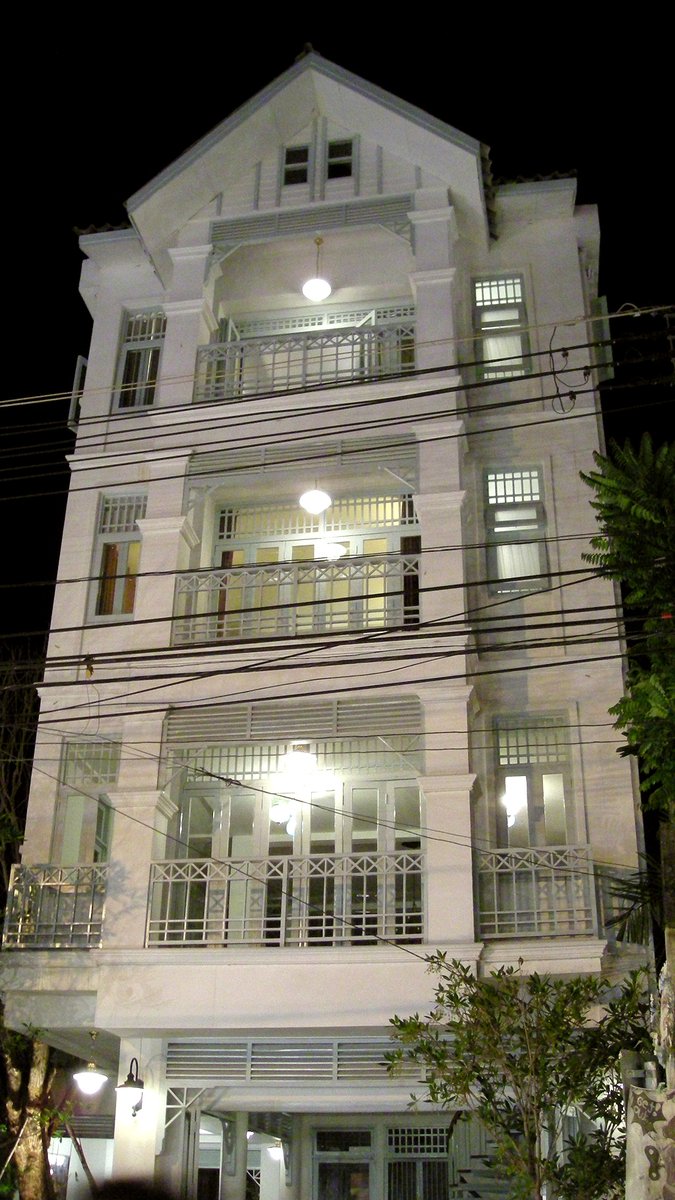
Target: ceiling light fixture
318, 288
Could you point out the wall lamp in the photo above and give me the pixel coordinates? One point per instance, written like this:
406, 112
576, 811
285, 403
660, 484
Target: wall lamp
132, 1088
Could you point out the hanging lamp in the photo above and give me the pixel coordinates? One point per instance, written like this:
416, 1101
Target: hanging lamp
90, 1080
317, 288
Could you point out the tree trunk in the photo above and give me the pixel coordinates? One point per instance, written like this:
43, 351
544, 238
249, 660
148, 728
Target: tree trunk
667, 846
28, 1079
32, 1165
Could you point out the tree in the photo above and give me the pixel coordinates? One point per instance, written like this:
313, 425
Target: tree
635, 504
26, 1069
18, 719
523, 1055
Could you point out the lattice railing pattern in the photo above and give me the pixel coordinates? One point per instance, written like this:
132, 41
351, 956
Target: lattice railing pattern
293, 598
250, 366
532, 892
339, 899
55, 907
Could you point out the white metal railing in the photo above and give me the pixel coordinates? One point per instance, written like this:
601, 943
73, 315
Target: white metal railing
532, 892
55, 907
336, 899
227, 370
294, 598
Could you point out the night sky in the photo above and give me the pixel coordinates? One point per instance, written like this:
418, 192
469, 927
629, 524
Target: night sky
89, 123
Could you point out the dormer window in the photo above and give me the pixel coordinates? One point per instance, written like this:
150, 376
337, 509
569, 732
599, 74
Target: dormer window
296, 165
339, 159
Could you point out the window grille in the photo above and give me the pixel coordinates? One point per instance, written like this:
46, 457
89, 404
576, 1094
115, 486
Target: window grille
514, 487
86, 763
543, 742
119, 514
144, 327
490, 293
359, 512
417, 1142
399, 756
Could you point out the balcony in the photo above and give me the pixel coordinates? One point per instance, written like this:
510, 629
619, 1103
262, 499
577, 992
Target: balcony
316, 900
256, 365
529, 892
290, 599
55, 907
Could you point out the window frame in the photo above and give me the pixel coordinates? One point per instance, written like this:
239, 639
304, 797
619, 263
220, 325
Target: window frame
289, 167
117, 545
335, 161
491, 295
540, 749
139, 359
518, 518
83, 811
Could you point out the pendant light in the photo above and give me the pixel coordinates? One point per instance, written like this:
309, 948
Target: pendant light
315, 501
90, 1080
318, 288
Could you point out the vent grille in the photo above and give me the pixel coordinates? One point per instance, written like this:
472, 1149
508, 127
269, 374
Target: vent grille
418, 1142
277, 720
90, 1125
391, 212
293, 1060
398, 454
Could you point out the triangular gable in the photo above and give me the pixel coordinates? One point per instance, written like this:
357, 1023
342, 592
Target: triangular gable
277, 116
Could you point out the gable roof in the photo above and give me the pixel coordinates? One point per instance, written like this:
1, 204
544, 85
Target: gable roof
312, 86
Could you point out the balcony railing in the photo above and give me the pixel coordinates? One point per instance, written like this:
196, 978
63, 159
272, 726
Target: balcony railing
317, 900
55, 907
228, 370
377, 592
529, 892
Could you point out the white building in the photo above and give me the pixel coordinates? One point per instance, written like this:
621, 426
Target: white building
283, 756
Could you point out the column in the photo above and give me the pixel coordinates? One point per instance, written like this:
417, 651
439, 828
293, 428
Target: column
167, 542
447, 788
188, 321
138, 1139
435, 228
139, 829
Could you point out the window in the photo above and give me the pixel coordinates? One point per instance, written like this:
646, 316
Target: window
532, 781
118, 554
500, 321
282, 570
296, 165
139, 359
83, 829
516, 529
339, 159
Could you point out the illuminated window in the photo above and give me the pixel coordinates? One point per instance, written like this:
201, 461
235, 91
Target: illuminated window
516, 529
500, 321
118, 554
533, 781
